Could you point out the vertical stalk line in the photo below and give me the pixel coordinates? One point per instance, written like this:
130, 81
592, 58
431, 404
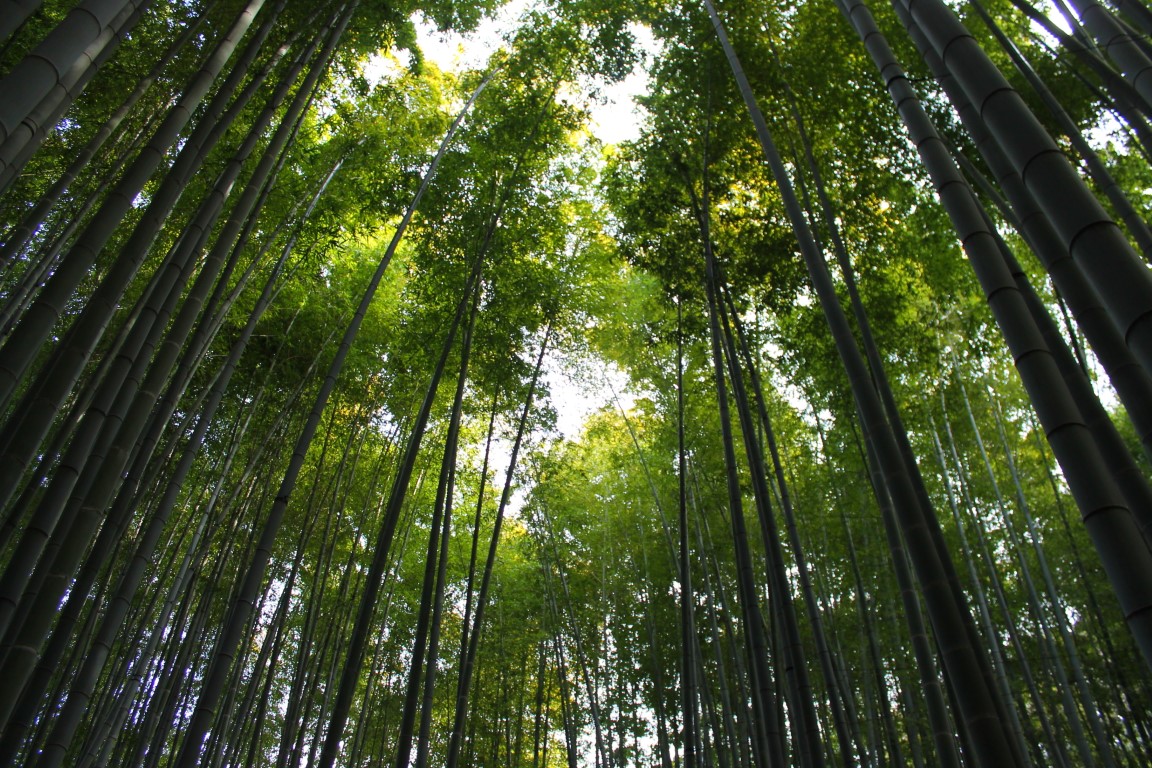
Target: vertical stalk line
937, 708
229, 738
1024, 572
806, 731
567, 701
455, 738
833, 692
314, 600
717, 600
422, 657
688, 685
658, 683
1132, 382
25, 427
1122, 684
469, 590
943, 733
1092, 238
1052, 743
965, 664
243, 602
1104, 509
88, 474
1087, 701
591, 690
938, 714
19, 235
839, 668
431, 666
865, 610
767, 736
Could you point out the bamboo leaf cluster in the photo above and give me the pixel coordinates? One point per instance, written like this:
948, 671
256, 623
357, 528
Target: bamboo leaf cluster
292, 323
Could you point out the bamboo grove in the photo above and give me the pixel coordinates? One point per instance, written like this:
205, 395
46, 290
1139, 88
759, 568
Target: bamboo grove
290, 319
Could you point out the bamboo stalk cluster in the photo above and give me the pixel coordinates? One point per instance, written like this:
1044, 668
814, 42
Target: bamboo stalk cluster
237, 276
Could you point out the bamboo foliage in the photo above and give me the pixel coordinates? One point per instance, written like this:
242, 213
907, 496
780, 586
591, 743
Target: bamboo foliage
247, 248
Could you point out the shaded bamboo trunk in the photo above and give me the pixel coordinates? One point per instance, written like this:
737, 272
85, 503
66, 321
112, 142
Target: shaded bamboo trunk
688, 685
16, 238
23, 432
767, 736
52, 74
431, 597
241, 609
951, 619
1104, 509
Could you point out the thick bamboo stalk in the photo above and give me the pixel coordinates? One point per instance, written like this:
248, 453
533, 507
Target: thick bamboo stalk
950, 618
64, 57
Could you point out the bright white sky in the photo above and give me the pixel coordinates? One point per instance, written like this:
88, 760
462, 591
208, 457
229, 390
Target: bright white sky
615, 117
